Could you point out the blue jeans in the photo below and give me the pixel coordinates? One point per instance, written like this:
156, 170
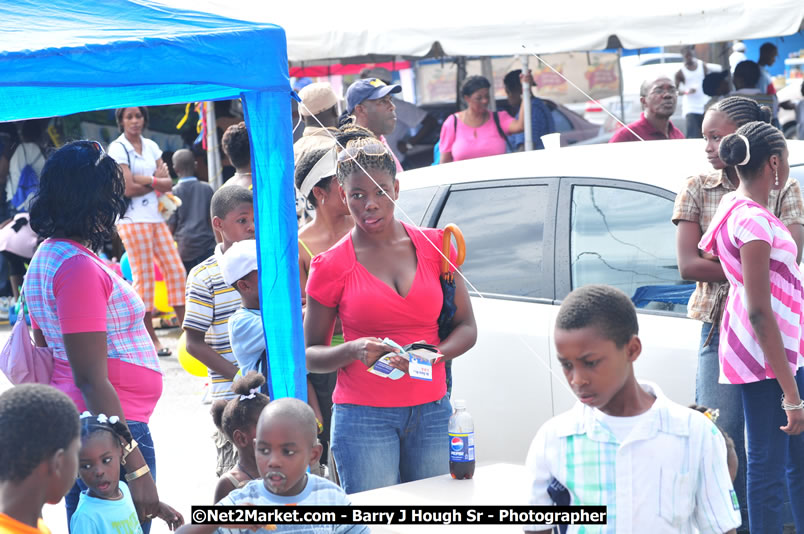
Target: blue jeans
378, 447
728, 400
772, 457
142, 434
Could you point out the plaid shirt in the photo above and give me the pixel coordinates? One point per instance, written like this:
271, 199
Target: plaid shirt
670, 475
126, 337
698, 202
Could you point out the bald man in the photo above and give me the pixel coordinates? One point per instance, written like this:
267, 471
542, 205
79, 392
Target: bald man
190, 223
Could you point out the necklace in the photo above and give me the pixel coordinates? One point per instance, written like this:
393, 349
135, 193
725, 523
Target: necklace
246, 472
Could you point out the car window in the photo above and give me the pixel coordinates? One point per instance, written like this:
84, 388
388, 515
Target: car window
563, 124
657, 61
797, 172
624, 238
414, 202
504, 231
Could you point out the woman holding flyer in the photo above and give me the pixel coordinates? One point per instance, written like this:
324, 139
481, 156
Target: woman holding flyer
382, 279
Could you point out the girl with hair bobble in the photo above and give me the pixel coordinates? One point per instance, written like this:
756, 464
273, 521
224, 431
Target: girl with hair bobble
237, 419
695, 206
382, 280
106, 505
763, 323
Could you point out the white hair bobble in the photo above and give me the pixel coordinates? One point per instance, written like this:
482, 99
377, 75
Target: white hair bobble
101, 418
747, 150
251, 395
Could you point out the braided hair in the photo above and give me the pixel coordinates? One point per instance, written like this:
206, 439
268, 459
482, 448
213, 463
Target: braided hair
239, 414
353, 136
604, 307
90, 424
741, 110
35, 422
763, 141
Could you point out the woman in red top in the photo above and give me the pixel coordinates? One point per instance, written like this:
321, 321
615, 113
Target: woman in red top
382, 280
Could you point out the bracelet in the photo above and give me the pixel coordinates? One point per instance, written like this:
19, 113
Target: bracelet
790, 407
134, 475
128, 449
320, 425
153, 182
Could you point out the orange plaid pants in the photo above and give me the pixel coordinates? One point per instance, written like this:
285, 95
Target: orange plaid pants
146, 242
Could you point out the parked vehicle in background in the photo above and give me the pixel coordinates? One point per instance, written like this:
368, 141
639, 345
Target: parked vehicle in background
787, 117
636, 69
539, 224
571, 125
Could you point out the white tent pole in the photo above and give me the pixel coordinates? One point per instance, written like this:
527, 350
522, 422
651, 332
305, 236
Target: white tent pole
214, 171
488, 73
620, 76
526, 100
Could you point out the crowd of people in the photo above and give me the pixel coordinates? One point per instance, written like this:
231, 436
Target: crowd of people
370, 283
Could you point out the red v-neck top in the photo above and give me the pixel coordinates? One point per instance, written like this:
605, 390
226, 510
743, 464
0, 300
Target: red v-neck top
367, 306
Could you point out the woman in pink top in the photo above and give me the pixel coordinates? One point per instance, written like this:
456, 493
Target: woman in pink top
762, 329
382, 280
91, 318
476, 132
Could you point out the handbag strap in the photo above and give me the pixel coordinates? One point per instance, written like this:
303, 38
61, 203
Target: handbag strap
500, 131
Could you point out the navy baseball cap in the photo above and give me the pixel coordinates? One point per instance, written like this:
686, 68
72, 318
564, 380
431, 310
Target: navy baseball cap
368, 89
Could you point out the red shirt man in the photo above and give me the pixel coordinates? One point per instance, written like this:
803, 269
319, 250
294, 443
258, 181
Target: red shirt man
658, 98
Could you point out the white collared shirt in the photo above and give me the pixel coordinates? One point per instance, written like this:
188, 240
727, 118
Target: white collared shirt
670, 475
145, 208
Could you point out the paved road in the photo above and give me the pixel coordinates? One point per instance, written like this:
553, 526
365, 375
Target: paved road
182, 430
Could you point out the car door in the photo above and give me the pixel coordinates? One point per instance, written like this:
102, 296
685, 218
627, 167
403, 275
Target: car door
504, 378
619, 233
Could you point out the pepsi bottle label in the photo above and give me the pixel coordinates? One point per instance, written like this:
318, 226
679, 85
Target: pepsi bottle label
462, 447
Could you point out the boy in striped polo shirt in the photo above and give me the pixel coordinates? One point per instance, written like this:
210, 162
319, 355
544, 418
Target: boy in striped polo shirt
210, 302
657, 466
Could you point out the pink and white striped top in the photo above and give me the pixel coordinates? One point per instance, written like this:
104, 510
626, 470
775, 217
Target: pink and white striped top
738, 221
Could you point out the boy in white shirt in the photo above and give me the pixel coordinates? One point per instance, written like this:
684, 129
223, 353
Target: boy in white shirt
657, 466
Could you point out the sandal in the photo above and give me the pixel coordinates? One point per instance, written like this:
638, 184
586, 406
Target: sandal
164, 352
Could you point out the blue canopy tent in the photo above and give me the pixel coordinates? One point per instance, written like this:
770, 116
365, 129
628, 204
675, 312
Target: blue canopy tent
61, 56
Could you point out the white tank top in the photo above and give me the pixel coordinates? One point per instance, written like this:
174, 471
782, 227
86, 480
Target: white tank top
693, 79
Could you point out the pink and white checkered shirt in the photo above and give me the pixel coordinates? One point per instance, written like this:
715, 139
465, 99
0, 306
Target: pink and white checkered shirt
127, 339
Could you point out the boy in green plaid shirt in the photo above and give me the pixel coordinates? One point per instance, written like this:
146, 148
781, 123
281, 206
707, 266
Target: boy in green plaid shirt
657, 466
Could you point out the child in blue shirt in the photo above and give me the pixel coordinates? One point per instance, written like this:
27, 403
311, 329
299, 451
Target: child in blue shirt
285, 447
106, 506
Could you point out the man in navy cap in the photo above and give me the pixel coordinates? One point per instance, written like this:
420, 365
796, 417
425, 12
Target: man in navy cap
369, 101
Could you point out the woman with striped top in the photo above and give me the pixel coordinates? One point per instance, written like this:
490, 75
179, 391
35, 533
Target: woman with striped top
763, 322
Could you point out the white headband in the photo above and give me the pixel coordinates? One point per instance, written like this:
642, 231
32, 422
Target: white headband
324, 168
747, 150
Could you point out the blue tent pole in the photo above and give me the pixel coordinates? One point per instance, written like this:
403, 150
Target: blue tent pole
268, 121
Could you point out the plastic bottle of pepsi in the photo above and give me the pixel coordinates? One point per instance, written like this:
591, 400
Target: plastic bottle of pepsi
461, 442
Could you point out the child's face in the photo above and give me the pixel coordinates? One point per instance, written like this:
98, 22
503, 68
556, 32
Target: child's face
99, 464
595, 367
284, 451
237, 225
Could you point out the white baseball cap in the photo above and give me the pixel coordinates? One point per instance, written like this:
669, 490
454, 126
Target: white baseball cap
238, 261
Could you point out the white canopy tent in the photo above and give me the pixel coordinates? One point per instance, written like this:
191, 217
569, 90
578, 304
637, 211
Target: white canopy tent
319, 29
